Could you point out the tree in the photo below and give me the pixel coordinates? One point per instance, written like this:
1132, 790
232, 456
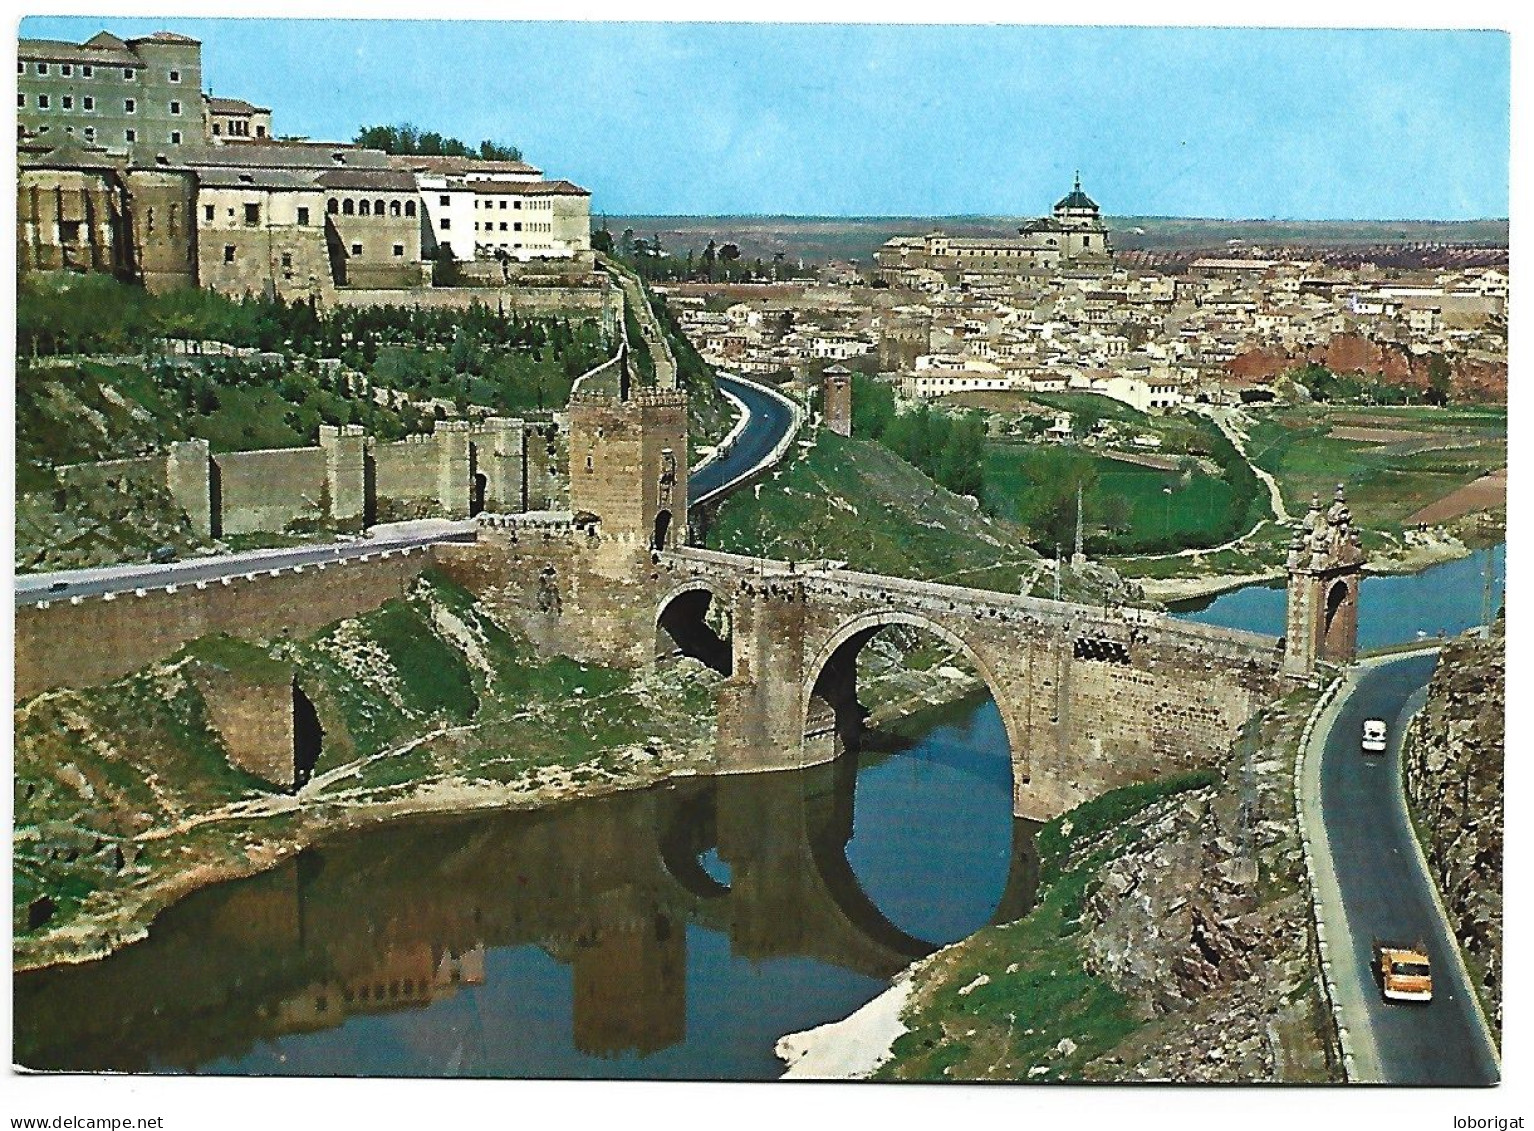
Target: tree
602, 239
1439, 376
407, 140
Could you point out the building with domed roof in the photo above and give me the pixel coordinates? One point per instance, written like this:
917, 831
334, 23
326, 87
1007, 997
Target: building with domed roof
1072, 237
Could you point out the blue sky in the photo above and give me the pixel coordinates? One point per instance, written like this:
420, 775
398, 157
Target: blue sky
903, 120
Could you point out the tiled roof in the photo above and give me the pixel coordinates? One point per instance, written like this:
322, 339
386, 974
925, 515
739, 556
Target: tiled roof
234, 106
285, 179
527, 188
461, 165
60, 51
384, 180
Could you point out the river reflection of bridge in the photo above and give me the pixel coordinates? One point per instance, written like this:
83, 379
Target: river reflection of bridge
396, 919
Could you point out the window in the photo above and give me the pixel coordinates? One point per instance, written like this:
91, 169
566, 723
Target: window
446, 223
21, 101
252, 213
42, 102
287, 261
130, 135
69, 102
356, 249
175, 107
260, 131
90, 133
348, 207
42, 68
129, 74
378, 208
21, 68
88, 71
175, 137
399, 251
332, 206
503, 206
175, 76
409, 208
442, 200
365, 209
229, 253
517, 204
88, 102
207, 213
129, 105
303, 216
66, 69
393, 208
503, 225
517, 227
217, 130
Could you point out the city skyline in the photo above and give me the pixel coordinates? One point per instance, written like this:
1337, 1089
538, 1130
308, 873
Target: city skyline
868, 120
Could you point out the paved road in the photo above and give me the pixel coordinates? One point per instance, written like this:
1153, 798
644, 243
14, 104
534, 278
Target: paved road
1387, 894
770, 421
31, 588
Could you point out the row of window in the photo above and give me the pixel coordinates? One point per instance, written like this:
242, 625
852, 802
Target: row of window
89, 133
515, 203
349, 207
231, 251
515, 227
87, 103
87, 70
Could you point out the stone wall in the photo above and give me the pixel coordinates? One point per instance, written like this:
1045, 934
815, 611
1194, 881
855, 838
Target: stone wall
1454, 778
255, 722
271, 490
82, 642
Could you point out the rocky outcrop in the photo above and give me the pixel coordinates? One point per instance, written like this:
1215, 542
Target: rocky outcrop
1470, 379
1203, 926
1454, 781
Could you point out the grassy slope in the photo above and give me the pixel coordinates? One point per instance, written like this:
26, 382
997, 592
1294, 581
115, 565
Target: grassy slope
1037, 986
854, 500
1385, 482
111, 770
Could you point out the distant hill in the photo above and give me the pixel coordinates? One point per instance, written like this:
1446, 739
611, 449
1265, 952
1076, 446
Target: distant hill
822, 238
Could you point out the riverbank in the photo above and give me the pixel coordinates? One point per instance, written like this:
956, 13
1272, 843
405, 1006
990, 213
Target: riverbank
1168, 941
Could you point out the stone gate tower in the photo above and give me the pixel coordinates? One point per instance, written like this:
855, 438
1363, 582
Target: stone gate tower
1325, 567
628, 464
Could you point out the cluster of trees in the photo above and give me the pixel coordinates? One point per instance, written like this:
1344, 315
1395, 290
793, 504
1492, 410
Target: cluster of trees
948, 448
408, 140
475, 356
716, 263
1339, 388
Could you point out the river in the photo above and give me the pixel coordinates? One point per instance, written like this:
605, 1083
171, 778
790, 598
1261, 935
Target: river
674, 932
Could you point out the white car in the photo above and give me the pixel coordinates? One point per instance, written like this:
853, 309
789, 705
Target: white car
1374, 736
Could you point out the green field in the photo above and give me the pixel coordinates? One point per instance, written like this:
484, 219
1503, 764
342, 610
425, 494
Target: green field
1386, 482
1156, 508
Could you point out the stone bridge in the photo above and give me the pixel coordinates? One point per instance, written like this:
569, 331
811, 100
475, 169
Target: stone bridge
1091, 697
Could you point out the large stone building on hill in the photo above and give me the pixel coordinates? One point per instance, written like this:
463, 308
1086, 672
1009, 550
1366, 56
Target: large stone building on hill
1073, 236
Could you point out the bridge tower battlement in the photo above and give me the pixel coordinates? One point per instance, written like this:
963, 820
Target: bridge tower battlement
1325, 569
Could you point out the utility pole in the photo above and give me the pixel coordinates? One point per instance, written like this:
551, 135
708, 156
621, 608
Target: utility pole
1078, 559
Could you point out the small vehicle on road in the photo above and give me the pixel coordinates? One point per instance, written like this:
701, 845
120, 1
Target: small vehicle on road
162, 555
1374, 740
1404, 972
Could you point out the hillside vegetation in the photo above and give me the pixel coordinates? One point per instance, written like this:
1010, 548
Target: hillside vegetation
856, 501
125, 795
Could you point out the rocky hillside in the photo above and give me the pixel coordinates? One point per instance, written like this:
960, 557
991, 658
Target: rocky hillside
1454, 781
1471, 380
1170, 940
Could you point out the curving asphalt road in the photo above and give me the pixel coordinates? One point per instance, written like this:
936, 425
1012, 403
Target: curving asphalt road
1386, 893
770, 421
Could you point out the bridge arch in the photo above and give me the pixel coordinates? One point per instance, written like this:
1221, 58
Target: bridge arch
688, 622
829, 689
